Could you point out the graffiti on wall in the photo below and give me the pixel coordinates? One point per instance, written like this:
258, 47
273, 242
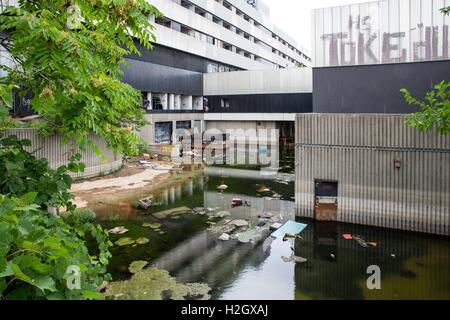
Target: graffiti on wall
359, 39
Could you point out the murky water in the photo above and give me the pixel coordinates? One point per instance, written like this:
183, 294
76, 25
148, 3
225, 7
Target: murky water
412, 266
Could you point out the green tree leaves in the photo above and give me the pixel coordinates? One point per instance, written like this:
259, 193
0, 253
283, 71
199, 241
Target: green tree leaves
74, 74
23, 175
435, 110
34, 264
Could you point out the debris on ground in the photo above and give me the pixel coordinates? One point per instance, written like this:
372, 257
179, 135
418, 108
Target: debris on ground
266, 215
253, 235
171, 212
118, 230
332, 256
199, 210
275, 226
224, 237
145, 203
286, 259
347, 236
220, 214
155, 284
239, 223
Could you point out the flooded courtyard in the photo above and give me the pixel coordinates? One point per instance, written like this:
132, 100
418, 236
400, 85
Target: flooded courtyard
181, 241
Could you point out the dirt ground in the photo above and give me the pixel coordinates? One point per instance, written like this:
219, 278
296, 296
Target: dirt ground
131, 183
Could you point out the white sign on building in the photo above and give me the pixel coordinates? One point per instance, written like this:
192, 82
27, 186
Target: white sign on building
386, 31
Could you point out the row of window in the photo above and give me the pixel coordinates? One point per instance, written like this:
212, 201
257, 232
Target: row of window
211, 40
260, 26
188, 5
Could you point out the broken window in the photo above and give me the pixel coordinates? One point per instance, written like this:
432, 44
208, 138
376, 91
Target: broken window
163, 132
156, 103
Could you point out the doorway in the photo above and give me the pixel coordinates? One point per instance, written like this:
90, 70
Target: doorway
326, 200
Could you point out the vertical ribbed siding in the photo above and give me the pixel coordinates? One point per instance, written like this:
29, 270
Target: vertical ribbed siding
58, 153
358, 151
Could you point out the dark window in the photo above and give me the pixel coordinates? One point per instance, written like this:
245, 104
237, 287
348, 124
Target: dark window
225, 103
145, 102
156, 103
184, 125
163, 132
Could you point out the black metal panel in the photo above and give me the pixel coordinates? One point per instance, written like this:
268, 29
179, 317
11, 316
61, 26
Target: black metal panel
173, 58
151, 77
257, 103
374, 88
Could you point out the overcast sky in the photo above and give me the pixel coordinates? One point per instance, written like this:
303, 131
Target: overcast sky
294, 16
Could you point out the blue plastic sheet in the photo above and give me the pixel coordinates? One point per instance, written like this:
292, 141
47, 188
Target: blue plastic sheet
290, 227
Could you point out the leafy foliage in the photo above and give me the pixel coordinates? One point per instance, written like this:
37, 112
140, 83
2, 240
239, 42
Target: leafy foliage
446, 10
69, 55
37, 250
21, 173
435, 110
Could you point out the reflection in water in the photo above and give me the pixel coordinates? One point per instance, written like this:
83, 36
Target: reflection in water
413, 266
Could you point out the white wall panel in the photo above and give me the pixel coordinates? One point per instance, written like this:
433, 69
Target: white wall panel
388, 31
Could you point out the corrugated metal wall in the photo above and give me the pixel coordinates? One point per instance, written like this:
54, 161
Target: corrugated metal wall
58, 153
359, 152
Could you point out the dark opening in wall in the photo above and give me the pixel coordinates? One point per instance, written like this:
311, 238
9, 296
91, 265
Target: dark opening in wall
156, 103
163, 132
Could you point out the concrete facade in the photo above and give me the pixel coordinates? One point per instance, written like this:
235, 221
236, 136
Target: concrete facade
387, 174
231, 32
147, 133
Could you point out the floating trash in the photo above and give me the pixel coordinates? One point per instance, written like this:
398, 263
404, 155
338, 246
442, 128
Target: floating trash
155, 284
266, 215
222, 187
129, 241
276, 226
171, 212
263, 189
142, 241
239, 223
297, 259
224, 237
124, 242
152, 225
145, 203
118, 230
290, 227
